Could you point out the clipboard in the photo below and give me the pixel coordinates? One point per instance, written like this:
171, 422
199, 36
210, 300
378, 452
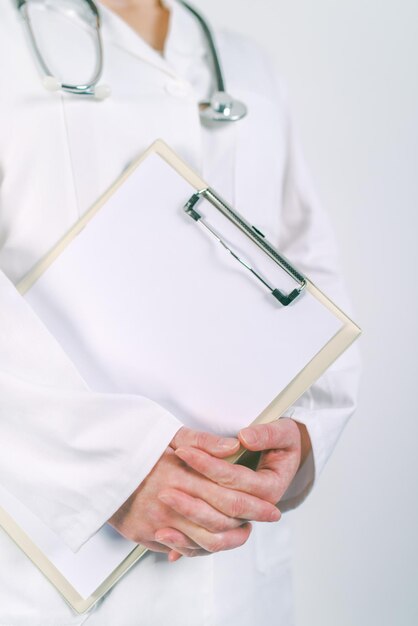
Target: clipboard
204, 283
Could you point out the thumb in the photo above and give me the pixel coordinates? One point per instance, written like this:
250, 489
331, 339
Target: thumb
278, 434
212, 444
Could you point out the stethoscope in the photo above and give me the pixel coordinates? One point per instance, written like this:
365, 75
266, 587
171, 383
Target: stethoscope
220, 108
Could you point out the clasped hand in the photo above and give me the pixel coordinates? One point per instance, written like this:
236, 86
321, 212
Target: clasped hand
194, 502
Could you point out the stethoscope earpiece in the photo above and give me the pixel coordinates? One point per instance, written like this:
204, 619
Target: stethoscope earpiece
51, 83
103, 91
100, 92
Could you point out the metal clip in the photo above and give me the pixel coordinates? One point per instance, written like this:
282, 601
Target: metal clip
254, 234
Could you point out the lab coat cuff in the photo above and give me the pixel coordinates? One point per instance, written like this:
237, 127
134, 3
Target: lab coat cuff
308, 473
126, 478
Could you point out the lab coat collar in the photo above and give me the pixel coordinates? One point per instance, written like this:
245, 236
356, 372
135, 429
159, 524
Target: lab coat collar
184, 39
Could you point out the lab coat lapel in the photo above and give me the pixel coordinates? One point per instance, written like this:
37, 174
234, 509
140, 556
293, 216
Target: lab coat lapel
104, 137
121, 35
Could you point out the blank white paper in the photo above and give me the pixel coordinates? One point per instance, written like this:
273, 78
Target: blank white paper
85, 569
144, 301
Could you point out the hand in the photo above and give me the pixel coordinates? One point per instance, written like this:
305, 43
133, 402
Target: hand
284, 445
179, 511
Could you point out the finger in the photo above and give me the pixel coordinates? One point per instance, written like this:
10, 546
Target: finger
213, 444
198, 511
154, 546
228, 475
232, 503
241, 505
173, 555
216, 542
282, 433
284, 464
235, 504
177, 542
175, 538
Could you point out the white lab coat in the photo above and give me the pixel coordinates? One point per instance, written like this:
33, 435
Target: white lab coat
73, 455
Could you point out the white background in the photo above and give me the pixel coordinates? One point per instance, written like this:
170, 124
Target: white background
352, 71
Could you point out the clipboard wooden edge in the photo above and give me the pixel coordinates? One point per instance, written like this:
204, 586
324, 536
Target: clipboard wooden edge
344, 337
67, 591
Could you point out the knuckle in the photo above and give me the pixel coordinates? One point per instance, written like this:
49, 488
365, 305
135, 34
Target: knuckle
186, 506
270, 435
228, 479
191, 511
227, 524
222, 524
238, 506
202, 440
133, 535
275, 490
159, 516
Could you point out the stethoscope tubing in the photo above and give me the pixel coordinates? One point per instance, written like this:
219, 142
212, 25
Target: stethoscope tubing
219, 76
81, 89
221, 107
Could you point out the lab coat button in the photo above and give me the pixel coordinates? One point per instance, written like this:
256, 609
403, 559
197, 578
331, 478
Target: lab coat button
178, 88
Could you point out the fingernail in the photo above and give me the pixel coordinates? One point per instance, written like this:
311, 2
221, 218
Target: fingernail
228, 443
163, 538
275, 515
248, 436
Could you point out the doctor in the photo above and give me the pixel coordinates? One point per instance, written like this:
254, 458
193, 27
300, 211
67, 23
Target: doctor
80, 459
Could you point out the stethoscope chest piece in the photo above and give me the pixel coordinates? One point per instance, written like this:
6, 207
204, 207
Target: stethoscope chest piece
223, 108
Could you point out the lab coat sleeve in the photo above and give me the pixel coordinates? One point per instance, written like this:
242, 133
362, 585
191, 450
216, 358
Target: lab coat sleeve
71, 455
307, 239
